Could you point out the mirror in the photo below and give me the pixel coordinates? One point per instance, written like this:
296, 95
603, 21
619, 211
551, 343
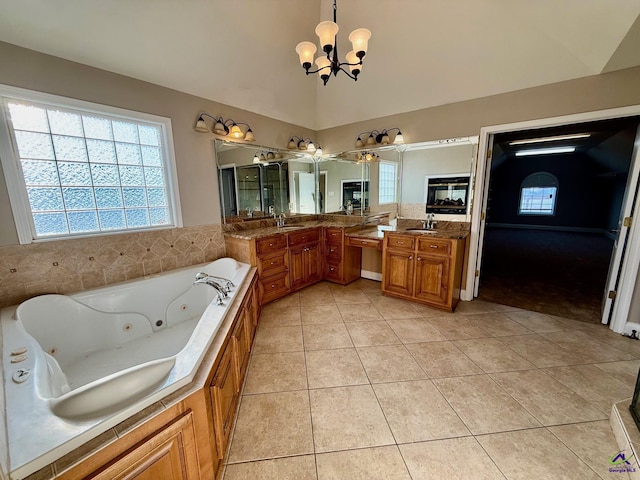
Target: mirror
394, 179
449, 162
258, 182
352, 181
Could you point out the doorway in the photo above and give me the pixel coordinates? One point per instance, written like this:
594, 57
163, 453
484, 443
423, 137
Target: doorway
228, 190
624, 269
551, 218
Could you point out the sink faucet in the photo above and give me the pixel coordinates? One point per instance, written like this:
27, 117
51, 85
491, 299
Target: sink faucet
249, 212
428, 224
280, 220
204, 279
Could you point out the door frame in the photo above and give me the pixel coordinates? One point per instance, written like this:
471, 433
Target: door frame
480, 196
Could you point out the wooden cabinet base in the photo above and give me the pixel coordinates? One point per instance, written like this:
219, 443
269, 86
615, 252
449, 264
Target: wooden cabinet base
168, 455
422, 269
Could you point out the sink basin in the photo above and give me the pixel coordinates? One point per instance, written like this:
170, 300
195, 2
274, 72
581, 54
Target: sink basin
421, 230
289, 227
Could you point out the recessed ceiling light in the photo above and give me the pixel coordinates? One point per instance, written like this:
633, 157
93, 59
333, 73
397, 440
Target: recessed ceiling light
550, 139
544, 151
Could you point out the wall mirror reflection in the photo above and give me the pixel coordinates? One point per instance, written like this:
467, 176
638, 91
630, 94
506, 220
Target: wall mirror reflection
361, 181
260, 182
437, 177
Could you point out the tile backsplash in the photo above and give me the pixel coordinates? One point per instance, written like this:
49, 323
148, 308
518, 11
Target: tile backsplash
71, 265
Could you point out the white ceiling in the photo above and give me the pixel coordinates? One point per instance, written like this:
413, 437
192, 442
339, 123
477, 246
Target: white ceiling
422, 53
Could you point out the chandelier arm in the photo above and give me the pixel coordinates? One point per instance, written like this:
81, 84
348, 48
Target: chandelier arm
350, 64
352, 77
309, 72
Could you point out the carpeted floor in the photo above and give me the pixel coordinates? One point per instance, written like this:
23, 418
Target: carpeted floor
558, 273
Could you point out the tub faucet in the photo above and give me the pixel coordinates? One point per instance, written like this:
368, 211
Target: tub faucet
207, 280
228, 284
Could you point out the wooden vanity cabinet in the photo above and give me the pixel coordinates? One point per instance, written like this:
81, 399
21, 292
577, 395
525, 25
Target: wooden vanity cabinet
342, 263
423, 269
305, 259
170, 454
272, 260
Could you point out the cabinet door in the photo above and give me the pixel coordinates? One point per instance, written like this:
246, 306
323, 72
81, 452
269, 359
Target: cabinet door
251, 318
296, 267
432, 278
168, 455
313, 263
224, 393
241, 347
397, 275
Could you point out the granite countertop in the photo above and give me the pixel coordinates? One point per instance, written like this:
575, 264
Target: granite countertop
377, 232
448, 230
293, 227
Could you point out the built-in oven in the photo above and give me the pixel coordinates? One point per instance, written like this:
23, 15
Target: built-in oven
448, 194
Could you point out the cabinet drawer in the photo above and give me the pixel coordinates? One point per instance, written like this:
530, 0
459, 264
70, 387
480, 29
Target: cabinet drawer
365, 242
333, 271
305, 236
405, 242
271, 264
333, 234
434, 246
273, 287
270, 244
333, 252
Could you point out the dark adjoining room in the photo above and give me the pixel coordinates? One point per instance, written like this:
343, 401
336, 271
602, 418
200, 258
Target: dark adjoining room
552, 218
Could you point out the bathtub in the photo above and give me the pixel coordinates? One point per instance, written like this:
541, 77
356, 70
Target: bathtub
76, 365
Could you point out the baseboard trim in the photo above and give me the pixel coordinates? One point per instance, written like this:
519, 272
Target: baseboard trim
377, 276
558, 228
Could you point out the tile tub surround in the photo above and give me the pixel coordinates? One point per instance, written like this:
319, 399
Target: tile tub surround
72, 265
390, 391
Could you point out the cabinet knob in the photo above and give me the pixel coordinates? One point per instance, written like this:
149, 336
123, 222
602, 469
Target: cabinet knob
433, 246
410, 257
363, 243
273, 285
419, 258
271, 244
332, 269
400, 243
331, 250
273, 263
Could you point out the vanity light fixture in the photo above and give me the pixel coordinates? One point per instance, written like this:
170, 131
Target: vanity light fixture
304, 144
368, 157
544, 151
556, 138
379, 138
263, 158
223, 127
328, 63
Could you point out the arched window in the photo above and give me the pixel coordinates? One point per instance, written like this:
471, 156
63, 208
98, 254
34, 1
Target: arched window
538, 194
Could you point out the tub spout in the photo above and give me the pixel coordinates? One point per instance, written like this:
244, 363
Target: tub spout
201, 280
228, 284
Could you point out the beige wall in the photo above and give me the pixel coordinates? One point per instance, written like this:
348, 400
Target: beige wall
463, 119
194, 151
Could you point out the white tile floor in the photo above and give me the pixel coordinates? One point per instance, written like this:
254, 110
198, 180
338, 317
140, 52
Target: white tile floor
347, 384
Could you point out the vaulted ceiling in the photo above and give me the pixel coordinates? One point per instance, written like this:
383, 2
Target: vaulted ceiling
422, 53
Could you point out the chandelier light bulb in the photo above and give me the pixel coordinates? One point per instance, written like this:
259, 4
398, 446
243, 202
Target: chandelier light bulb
327, 32
359, 143
359, 38
371, 140
220, 128
399, 138
306, 51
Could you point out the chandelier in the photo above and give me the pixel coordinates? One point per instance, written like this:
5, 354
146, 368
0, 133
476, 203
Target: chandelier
327, 64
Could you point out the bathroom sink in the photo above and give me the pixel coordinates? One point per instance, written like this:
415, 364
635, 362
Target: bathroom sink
421, 230
290, 227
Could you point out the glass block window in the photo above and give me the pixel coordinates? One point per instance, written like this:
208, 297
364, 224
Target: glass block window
88, 173
538, 194
387, 182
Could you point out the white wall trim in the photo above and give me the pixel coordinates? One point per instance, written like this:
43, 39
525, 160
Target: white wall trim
377, 276
556, 228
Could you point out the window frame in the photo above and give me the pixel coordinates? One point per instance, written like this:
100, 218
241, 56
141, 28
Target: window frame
15, 182
395, 184
555, 185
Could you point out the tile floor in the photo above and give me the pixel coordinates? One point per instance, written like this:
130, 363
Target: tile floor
347, 384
